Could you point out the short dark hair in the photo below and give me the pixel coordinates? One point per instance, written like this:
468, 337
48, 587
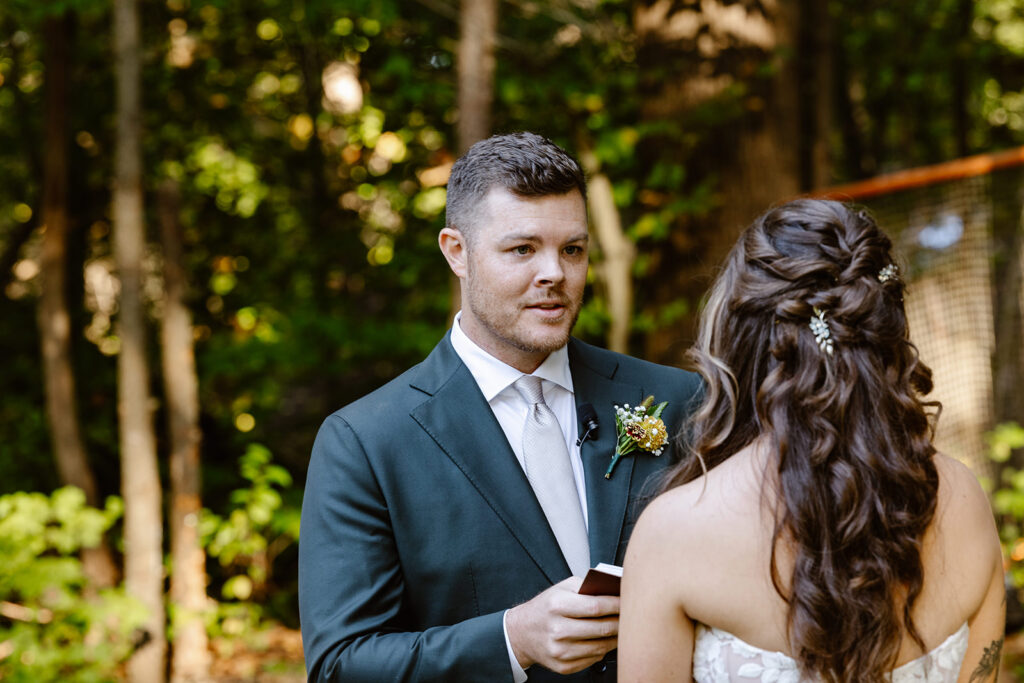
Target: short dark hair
524, 163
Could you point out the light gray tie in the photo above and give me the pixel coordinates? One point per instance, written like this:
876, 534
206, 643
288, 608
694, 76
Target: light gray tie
546, 460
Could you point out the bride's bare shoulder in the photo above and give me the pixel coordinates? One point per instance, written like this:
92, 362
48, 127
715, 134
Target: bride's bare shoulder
729, 493
961, 550
963, 516
960, 491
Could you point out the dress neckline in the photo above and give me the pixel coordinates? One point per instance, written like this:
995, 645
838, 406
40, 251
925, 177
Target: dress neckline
754, 650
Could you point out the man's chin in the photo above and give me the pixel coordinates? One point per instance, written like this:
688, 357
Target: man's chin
547, 342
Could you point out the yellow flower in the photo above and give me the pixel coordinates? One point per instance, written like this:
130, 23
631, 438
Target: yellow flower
655, 434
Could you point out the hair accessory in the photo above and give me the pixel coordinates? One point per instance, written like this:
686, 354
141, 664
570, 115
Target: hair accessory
822, 334
890, 272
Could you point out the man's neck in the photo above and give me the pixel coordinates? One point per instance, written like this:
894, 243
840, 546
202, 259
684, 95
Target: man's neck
494, 375
523, 361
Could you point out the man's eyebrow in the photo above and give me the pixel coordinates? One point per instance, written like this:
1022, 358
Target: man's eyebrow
530, 237
519, 237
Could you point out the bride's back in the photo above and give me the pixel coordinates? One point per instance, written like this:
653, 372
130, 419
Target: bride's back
719, 539
814, 517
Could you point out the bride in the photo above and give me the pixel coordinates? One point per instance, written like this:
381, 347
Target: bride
816, 535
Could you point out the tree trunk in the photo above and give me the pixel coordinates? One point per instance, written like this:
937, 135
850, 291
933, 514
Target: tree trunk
140, 480
855, 162
816, 30
478, 26
190, 661
618, 253
692, 55
963, 57
320, 204
53, 317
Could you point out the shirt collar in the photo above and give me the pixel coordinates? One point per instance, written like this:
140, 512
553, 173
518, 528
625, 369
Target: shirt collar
494, 376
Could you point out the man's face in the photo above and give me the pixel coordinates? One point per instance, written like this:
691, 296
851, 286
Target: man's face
526, 266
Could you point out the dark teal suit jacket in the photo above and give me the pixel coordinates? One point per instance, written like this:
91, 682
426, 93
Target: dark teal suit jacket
419, 528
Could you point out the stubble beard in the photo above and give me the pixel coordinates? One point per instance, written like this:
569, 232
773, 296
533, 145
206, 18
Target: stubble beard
501, 324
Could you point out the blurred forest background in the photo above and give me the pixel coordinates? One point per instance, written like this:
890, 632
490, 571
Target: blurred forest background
218, 223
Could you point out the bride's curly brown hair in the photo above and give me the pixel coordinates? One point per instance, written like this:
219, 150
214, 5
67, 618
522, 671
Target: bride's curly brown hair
851, 433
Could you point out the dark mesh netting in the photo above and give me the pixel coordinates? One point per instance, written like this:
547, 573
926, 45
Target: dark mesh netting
960, 252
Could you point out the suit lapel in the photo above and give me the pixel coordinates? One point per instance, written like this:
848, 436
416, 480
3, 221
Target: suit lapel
606, 498
463, 425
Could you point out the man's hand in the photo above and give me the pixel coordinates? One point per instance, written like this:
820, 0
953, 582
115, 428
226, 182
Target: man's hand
563, 630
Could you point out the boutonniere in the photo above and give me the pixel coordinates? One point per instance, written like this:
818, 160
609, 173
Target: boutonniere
638, 427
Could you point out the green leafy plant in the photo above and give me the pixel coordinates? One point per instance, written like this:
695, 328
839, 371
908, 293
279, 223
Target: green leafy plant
256, 531
51, 626
1008, 499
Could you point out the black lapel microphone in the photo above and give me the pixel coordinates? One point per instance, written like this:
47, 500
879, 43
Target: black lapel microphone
588, 420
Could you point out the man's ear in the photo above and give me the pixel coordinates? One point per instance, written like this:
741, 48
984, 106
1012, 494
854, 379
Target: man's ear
454, 248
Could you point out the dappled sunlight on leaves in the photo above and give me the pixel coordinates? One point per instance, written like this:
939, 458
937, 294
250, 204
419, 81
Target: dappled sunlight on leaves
50, 627
233, 181
258, 528
1008, 498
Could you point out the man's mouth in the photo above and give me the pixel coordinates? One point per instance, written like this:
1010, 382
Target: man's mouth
550, 311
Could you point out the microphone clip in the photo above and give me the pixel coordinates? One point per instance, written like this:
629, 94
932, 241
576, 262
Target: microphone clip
588, 420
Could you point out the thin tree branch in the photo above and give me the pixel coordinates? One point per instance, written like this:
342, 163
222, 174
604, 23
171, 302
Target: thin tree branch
16, 612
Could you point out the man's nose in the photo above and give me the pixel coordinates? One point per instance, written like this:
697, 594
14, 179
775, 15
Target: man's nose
550, 268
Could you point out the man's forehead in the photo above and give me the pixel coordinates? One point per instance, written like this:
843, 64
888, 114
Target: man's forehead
501, 204
500, 193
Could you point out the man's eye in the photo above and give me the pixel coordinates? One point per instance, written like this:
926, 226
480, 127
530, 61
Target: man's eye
522, 249
574, 250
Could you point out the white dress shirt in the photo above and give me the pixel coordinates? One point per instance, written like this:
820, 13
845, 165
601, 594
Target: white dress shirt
495, 379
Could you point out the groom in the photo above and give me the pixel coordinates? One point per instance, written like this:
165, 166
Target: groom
450, 515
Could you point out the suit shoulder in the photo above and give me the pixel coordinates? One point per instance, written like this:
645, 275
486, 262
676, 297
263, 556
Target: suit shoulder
369, 425
601, 359
666, 372
397, 395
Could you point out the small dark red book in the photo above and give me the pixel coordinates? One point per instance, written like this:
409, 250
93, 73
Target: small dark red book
603, 579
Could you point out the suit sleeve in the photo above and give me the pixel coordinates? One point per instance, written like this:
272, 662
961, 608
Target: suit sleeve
351, 587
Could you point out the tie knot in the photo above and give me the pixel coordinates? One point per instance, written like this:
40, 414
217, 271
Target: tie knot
528, 387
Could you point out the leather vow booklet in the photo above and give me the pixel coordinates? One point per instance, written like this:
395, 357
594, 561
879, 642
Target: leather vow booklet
602, 580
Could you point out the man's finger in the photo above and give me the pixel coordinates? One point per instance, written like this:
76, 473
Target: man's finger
586, 652
601, 646
578, 606
594, 629
583, 653
573, 583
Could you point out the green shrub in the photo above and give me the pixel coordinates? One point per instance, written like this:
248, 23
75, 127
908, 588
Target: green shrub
1008, 499
258, 528
49, 628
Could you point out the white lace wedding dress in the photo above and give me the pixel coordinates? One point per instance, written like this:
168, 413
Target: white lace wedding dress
720, 657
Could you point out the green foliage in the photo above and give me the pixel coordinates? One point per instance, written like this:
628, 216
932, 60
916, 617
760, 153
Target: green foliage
902, 108
1004, 439
311, 225
665, 316
1008, 499
233, 181
259, 528
235, 619
37, 11
50, 629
